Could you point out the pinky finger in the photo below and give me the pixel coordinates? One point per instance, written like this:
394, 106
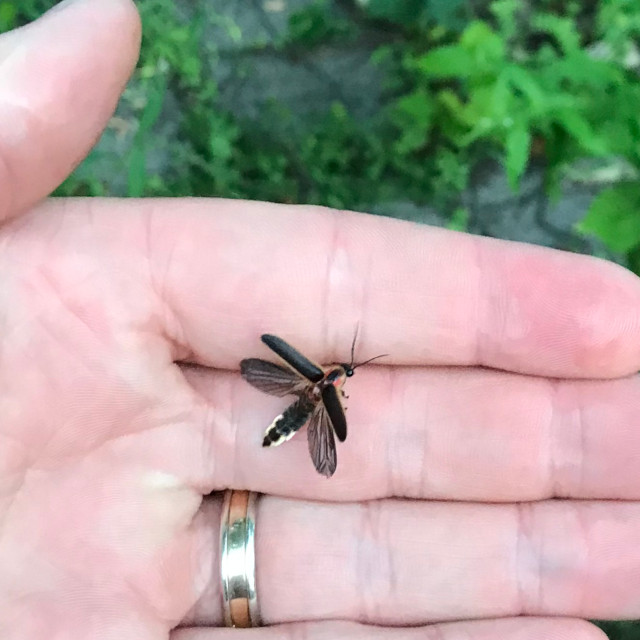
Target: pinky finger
503, 629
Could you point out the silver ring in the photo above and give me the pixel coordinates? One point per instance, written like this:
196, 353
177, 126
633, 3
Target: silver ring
238, 559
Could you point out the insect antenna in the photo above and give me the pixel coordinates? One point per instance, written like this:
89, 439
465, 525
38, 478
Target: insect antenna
353, 347
355, 366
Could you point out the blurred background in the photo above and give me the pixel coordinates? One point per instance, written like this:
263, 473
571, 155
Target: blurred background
512, 119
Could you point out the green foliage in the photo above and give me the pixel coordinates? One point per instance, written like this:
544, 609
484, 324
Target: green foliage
316, 24
619, 24
8, 16
137, 162
402, 12
614, 217
27, 10
546, 81
558, 94
621, 630
459, 220
524, 82
412, 13
413, 116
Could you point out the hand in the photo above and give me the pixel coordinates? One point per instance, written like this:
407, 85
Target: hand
507, 478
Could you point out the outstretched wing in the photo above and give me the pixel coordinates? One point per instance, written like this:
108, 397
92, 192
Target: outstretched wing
294, 358
271, 378
322, 444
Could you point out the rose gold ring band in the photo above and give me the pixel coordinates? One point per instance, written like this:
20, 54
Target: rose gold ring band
237, 559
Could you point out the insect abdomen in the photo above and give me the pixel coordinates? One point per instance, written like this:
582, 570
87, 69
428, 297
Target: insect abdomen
287, 423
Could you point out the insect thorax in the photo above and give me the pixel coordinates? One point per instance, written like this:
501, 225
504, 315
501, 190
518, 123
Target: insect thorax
336, 376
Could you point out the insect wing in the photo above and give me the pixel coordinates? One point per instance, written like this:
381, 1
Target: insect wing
294, 358
271, 378
322, 444
335, 410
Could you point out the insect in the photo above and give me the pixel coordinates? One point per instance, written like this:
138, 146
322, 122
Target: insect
318, 402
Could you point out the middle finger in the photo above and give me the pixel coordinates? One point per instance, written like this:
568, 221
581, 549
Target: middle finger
461, 434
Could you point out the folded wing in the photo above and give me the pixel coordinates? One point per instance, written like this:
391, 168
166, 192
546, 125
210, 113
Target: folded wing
294, 358
335, 410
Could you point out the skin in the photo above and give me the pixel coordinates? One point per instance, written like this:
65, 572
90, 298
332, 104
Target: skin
500, 435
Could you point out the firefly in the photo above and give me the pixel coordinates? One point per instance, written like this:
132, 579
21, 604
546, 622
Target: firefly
319, 392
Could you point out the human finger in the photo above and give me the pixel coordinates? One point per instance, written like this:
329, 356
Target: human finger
398, 563
58, 92
221, 273
228, 271
505, 629
435, 433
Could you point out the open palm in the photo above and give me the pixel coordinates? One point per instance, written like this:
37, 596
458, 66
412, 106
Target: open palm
487, 488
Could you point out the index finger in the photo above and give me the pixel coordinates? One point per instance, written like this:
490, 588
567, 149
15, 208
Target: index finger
424, 295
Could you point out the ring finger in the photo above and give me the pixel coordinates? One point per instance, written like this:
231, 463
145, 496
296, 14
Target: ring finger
394, 562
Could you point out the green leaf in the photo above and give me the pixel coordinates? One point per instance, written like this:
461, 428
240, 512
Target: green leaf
518, 147
450, 61
581, 68
415, 110
525, 83
8, 15
505, 12
454, 119
483, 106
614, 217
580, 129
561, 28
382, 54
453, 169
486, 46
156, 93
314, 24
459, 220
222, 137
137, 171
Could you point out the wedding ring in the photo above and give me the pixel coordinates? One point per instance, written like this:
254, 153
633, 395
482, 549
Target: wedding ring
237, 559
